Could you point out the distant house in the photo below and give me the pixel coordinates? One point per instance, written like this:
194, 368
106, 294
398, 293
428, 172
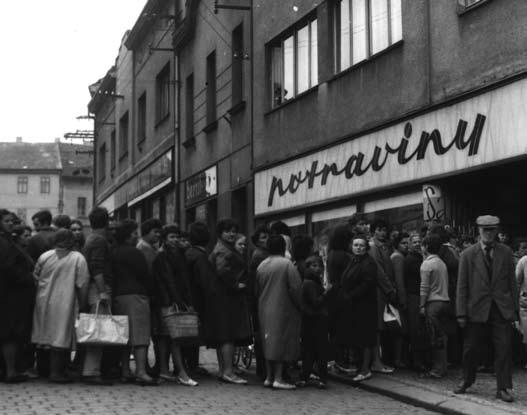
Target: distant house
76, 187
54, 176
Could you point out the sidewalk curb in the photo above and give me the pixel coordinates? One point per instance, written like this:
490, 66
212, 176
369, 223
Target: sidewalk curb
432, 401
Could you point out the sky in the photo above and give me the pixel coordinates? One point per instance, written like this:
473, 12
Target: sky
51, 51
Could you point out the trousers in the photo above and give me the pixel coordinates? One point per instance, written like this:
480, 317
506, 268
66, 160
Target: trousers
501, 333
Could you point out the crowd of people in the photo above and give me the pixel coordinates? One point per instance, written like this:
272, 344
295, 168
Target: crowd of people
370, 301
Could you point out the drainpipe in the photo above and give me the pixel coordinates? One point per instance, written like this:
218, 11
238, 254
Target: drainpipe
177, 138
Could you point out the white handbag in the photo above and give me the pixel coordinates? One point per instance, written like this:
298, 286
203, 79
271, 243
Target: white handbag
102, 329
391, 317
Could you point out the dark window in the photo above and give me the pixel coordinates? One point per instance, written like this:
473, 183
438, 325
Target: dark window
141, 118
364, 28
189, 106
163, 93
211, 88
102, 162
81, 206
123, 136
45, 184
21, 185
294, 62
237, 65
113, 150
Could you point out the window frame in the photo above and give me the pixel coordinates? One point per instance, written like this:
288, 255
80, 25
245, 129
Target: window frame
45, 185
113, 151
102, 163
211, 90
337, 40
189, 106
81, 207
141, 119
163, 94
278, 43
463, 8
22, 185
237, 87
124, 135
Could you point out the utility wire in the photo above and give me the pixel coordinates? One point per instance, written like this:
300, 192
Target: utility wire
214, 29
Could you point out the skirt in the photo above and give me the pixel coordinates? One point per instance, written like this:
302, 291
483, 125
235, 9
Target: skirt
137, 308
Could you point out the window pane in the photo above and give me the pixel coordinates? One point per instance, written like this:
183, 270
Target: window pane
379, 25
345, 40
360, 35
314, 53
276, 75
303, 59
289, 69
396, 20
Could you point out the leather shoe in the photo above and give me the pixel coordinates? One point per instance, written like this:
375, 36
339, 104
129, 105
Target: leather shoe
461, 389
504, 396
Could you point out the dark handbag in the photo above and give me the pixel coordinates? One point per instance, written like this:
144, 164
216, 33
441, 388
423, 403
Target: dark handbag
182, 325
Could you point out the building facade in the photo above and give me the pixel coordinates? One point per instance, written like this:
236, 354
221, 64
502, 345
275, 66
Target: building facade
135, 121
213, 52
407, 111
46, 176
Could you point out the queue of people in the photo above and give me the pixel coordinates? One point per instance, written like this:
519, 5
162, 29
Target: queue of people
372, 301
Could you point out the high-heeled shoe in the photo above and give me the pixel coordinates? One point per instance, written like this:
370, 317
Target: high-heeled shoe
188, 382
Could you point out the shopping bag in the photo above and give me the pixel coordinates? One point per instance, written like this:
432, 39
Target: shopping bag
182, 325
391, 318
102, 329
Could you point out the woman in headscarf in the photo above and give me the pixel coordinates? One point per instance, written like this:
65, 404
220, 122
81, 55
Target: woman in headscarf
62, 288
232, 317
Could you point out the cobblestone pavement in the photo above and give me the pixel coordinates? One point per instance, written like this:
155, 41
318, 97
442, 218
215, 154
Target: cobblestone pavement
211, 397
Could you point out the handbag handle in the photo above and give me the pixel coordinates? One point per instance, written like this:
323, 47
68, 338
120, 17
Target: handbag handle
97, 310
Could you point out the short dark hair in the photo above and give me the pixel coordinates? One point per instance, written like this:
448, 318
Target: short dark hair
62, 221
340, 238
225, 225
4, 212
314, 259
400, 236
149, 224
276, 245
279, 228
302, 247
98, 218
379, 224
124, 230
432, 243
168, 229
77, 222
199, 234
439, 230
257, 232
43, 216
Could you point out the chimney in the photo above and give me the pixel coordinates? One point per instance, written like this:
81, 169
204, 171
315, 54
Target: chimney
19, 139
57, 140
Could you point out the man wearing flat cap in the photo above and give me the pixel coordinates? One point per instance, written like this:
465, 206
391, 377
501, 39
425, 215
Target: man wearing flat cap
487, 299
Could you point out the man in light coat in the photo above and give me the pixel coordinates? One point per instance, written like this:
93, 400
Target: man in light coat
487, 298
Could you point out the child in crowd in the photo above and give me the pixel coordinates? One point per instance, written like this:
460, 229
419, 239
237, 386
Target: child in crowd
315, 342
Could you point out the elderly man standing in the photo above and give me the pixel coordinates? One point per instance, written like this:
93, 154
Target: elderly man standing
487, 299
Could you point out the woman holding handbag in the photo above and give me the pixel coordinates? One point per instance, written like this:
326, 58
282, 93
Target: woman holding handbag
132, 289
172, 292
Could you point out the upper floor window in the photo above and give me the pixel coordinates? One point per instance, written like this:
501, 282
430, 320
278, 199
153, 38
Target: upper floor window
294, 62
163, 93
102, 163
364, 28
21, 184
81, 207
45, 184
238, 55
113, 150
141, 118
123, 136
189, 106
211, 88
